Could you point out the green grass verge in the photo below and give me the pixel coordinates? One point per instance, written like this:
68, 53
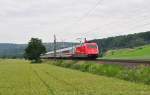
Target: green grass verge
142, 52
138, 74
19, 77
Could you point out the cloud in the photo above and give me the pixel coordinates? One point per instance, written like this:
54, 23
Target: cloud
22, 19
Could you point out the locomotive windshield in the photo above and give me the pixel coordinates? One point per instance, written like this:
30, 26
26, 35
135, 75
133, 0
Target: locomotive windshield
91, 46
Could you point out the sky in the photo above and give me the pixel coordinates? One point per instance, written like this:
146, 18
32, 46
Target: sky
70, 20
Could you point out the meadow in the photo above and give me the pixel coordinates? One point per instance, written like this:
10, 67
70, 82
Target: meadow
140, 73
20, 77
142, 52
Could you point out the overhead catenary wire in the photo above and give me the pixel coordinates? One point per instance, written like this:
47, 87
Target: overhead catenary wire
97, 28
99, 2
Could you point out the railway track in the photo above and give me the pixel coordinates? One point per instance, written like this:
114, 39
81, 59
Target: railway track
123, 62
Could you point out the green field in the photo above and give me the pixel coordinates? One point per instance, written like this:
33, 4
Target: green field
134, 53
19, 77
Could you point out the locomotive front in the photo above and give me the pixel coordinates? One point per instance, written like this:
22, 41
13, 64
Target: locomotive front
91, 50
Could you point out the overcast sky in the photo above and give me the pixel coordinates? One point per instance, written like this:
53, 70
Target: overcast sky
70, 19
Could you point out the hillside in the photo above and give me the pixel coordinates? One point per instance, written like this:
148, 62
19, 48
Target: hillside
17, 50
142, 52
11, 50
125, 41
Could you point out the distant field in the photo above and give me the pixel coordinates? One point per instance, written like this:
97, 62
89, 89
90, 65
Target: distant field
135, 53
19, 77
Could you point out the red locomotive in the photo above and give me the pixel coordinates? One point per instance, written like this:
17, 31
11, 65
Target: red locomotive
85, 50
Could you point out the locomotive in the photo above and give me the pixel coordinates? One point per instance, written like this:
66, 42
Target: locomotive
84, 50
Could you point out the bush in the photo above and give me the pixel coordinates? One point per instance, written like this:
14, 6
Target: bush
75, 66
140, 74
112, 70
85, 67
105, 69
67, 65
94, 68
57, 63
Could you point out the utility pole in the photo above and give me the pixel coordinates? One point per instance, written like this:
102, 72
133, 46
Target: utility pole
54, 46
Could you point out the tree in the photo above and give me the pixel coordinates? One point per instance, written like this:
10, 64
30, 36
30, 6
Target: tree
34, 49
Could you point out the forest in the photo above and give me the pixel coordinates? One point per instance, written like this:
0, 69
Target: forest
125, 41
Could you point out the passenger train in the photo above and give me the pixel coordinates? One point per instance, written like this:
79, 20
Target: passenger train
84, 50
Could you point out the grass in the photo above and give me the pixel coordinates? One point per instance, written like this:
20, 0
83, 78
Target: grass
137, 74
19, 77
142, 52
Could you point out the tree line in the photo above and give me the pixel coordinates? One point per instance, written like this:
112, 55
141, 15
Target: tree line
125, 41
